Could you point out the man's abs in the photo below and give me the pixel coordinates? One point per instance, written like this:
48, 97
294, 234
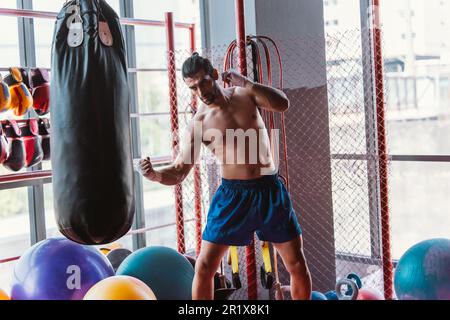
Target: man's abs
245, 172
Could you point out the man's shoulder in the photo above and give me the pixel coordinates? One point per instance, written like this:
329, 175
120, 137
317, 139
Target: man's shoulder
201, 112
202, 109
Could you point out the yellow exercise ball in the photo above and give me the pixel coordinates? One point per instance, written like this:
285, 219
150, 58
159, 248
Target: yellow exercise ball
3, 295
110, 247
105, 251
120, 288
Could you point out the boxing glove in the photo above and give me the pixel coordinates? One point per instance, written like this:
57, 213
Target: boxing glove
3, 146
5, 96
44, 132
10, 80
41, 91
25, 78
32, 142
15, 160
21, 98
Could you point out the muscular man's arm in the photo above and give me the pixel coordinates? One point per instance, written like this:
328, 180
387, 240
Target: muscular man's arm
268, 98
177, 171
265, 97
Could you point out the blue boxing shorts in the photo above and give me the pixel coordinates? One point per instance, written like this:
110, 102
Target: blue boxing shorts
241, 207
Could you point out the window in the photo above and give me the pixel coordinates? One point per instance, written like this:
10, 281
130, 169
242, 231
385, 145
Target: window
159, 211
344, 16
14, 213
6, 274
156, 138
419, 203
9, 46
14, 222
43, 37
50, 222
418, 109
186, 11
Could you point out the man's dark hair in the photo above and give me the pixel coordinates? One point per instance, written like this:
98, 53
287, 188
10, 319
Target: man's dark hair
194, 64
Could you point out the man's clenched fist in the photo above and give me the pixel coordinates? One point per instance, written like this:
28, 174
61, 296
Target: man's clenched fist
235, 79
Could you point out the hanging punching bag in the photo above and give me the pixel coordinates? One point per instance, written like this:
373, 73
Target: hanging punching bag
90, 140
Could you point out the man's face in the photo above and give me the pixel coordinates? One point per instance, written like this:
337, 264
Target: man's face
203, 86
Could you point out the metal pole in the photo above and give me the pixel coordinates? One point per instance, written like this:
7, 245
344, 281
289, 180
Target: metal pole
240, 36
172, 73
382, 151
240, 39
197, 172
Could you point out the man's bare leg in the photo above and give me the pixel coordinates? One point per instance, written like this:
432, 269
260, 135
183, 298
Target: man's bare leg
205, 268
294, 259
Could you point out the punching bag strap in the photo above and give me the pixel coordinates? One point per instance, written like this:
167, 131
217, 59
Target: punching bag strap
103, 28
75, 25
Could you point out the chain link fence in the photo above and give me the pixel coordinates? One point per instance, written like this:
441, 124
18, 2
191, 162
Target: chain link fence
333, 149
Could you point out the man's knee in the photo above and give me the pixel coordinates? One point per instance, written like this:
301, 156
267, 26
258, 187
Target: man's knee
297, 267
205, 269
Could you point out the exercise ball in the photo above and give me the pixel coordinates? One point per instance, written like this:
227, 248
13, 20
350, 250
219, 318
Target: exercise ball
192, 260
331, 295
120, 288
105, 251
3, 295
369, 294
423, 272
58, 269
318, 296
110, 247
168, 273
117, 256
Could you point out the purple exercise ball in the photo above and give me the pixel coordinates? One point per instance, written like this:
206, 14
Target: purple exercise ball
58, 269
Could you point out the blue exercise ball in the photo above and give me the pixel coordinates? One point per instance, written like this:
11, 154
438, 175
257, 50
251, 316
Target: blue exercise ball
423, 272
331, 295
168, 273
58, 269
318, 296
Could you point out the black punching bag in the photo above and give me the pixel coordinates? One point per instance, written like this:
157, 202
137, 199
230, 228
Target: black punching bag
93, 184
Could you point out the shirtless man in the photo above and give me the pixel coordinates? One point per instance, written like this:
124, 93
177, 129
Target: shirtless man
251, 197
